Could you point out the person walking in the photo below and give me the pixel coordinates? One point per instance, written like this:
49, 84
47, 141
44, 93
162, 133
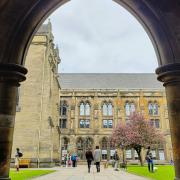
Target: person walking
89, 158
149, 160
116, 159
18, 155
97, 158
73, 159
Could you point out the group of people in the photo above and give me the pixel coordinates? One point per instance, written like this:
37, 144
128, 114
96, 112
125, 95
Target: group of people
96, 157
70, 160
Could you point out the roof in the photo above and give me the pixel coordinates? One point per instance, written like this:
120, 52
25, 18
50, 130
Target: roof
109, 81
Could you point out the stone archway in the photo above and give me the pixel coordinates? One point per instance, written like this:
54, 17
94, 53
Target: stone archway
161, 20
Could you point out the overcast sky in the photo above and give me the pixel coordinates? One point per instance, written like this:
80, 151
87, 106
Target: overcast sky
101, 36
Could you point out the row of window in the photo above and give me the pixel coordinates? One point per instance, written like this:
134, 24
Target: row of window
157, 154
106, 123
107, 109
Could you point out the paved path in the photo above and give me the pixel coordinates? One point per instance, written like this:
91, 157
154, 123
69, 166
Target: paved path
80, 173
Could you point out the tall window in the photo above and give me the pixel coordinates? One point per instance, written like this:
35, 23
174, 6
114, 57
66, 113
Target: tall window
83, 144
155, 123
129, 108
132, 107
150, 108
80, 148
112, 149
84, 112
107, 109
63, 114
153, 108
84, 109
63, 108
65, 143
63, 123
88, 143
156, 109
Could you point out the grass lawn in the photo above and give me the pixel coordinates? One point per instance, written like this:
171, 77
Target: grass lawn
28, 174
165, 172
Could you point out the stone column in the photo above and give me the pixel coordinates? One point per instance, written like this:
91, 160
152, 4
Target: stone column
10, 76
170, 75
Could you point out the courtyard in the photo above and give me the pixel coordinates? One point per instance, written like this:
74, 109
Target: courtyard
80, 173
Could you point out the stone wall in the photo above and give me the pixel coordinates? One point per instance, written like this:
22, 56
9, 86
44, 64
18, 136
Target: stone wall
36, 132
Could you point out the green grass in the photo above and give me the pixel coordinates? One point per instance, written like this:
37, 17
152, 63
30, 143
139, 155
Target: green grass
165, 172
28, 174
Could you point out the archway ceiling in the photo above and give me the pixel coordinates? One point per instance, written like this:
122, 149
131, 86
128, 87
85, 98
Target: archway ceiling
20, 19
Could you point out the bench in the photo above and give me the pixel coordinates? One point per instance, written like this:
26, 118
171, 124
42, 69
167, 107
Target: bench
24, 163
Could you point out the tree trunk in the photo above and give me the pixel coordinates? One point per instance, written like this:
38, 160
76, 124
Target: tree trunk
138, 150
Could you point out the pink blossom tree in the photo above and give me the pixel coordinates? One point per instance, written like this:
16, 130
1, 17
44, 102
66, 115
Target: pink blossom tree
137, 133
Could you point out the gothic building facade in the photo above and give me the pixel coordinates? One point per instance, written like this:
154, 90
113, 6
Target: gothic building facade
92, 104
61, 113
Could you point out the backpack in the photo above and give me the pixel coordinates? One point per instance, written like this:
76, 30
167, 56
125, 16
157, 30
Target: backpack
73, 158
20, 154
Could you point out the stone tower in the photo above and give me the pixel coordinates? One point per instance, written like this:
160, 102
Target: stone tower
36, 132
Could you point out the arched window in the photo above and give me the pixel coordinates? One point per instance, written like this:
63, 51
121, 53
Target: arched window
87, 109
80, 148
82, 109
112, 149
63, 108
88, 143
132, 108
127, 109
153, 108
150, 108
65, 143
110, 109
157, 123
156, 109
105, 109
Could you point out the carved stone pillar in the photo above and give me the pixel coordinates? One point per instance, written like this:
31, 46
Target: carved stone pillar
10, 76
170, 75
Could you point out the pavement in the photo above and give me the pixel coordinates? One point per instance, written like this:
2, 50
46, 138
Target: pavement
81, 173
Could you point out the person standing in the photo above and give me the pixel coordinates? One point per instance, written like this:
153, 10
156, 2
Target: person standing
97, 158
73, 159
116, 159
89, 158
149, 160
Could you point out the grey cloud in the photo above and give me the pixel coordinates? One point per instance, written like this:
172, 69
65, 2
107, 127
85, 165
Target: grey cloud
100, 36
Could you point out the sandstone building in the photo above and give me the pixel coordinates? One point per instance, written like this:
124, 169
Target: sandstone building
92, 104
60, 113
37, 115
